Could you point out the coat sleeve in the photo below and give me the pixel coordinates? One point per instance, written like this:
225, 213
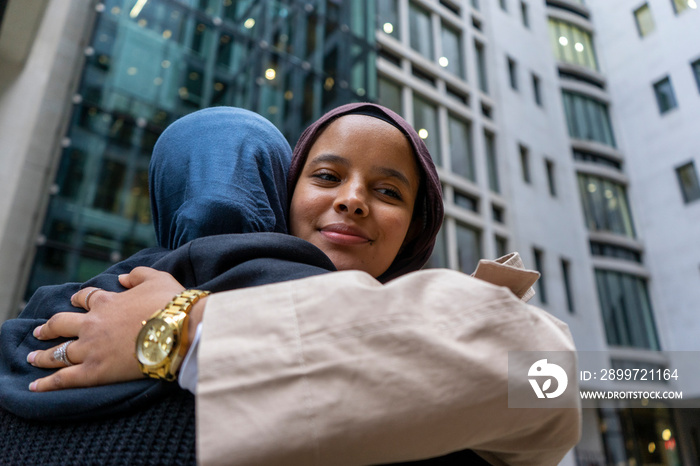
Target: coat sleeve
339, 369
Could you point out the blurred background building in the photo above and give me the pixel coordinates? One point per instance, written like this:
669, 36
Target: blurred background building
568, 130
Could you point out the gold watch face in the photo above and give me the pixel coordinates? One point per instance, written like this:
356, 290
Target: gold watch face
156, 341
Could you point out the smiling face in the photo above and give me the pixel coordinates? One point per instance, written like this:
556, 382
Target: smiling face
354, 198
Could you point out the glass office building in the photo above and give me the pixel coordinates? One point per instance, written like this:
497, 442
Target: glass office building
152, 61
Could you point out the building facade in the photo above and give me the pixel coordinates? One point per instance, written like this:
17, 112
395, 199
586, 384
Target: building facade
562, 129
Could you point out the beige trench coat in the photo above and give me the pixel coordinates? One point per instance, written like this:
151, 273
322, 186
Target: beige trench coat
341, 370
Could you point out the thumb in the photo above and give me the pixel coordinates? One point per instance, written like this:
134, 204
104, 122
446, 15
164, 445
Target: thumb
137, 276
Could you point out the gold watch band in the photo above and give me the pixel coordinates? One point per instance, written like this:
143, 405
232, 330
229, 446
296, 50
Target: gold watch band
176, 311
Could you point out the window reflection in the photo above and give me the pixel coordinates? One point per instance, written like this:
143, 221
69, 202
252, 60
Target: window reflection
605, 205
468, 247
461, 148
452, 55
421, 31
626, 309
587, 118
425, 116
390, 95
388, 17
572, 44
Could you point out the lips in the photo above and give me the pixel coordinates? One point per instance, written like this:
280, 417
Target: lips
341, 233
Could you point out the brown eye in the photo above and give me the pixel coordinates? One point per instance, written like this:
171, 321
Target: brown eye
391, 193
326, 176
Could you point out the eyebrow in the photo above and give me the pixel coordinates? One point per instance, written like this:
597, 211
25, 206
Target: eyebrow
384, 171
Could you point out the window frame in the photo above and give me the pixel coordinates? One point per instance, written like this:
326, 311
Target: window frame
695, 67
690, 193
525, 14
537, 90
512, 72
661, 91
525, 163
640, 30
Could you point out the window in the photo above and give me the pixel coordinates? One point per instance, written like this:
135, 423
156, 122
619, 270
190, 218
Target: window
597, 159
421, 31
525, 163
481, 67
696, 71
475, 4
491, 162
679, 6
536, 89
645, 22
461, 148
451, 58
390, 95
629, 433
425, 119
566, 276
551, 181
497, 213
438, 259
524, 14
587, 118
539, 266
466, 201
388, 17
572, 44
688, 180
504, 4
468, 247
605, 205
664, 95
513, 73
501, 246
618, 252
627, 313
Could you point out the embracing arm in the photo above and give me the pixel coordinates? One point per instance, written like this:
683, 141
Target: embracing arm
339, 369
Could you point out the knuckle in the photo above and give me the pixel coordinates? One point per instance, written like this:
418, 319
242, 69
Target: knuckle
57, 381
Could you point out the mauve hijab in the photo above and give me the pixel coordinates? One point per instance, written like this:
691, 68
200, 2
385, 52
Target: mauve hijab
428, 210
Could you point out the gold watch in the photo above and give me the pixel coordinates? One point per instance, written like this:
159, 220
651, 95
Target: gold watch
162, 342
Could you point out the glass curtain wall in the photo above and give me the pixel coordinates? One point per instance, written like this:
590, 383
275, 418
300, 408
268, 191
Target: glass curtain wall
152, 62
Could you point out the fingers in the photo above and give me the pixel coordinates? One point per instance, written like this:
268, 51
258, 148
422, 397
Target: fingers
47, 359
138, 276
68, 377
86, 297
63, 324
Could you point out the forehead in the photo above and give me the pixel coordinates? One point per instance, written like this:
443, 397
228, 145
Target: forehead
366, 135
369, 139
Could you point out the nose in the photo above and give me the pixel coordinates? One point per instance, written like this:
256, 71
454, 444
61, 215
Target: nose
352, 199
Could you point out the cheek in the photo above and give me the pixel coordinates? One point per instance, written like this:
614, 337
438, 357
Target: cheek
306, 208
397, 223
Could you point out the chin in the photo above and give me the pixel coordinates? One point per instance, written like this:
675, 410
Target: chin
342, 264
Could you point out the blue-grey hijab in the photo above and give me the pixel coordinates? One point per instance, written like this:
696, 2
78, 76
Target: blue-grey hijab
216, 171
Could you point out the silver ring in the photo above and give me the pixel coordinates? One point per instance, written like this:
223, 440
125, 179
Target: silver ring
61, 353
87, 298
